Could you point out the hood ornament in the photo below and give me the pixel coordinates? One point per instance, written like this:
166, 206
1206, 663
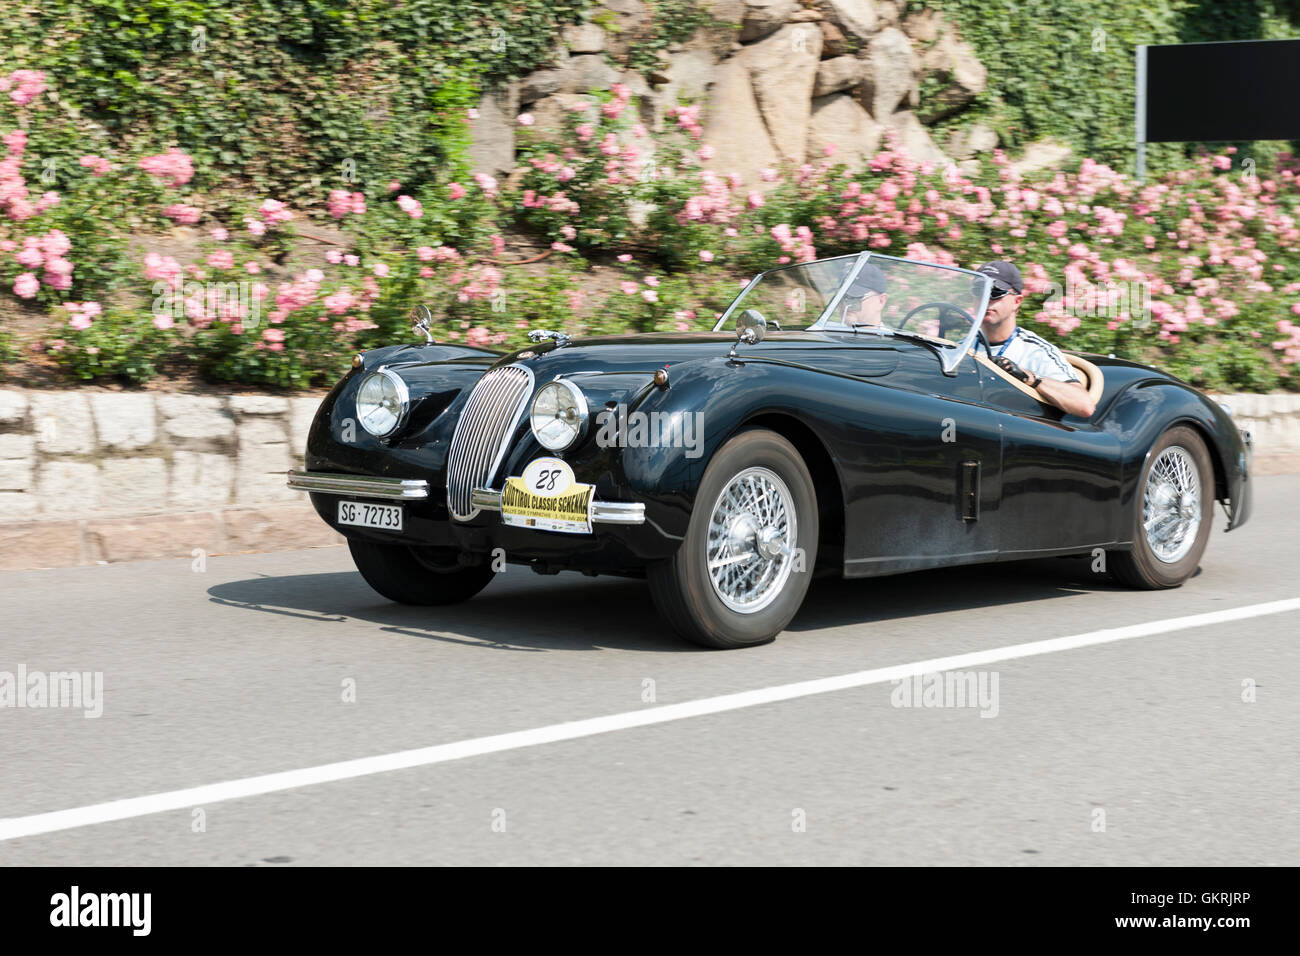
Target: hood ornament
422, 321
541, 335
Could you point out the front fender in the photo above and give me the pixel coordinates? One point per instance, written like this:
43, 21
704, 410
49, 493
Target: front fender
704, 405
1147, 409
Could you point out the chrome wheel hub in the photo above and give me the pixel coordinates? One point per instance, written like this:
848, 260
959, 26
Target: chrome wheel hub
752, 529
1171, 504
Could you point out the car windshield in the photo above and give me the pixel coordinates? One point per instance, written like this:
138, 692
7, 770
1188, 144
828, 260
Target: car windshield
869, 293
794, 297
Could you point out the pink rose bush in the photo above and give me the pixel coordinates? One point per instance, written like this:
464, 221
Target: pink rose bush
1194, 270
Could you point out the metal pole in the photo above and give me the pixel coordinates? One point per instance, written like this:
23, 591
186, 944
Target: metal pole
1140, 113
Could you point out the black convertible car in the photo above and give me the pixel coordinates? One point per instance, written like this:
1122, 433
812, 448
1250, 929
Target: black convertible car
728, 468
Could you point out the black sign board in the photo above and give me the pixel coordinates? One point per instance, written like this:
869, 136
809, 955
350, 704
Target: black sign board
1216, 92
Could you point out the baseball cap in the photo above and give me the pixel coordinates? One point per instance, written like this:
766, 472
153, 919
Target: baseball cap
1005, 276
870, 279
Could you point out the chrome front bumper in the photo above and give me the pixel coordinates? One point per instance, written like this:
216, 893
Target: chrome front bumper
485, 499
602, 512
365, 486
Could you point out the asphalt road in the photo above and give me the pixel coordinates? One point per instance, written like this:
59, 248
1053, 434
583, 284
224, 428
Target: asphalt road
241, 670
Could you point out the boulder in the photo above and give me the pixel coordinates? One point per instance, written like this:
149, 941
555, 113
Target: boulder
590, 71
492, 147
924, 26
764, 17
913, 139
783, 69
690, 74
974, 139
834, 42
960, 75
840, 121
629, 20
1044, 154
534, 86
734, 126
889, 13
551, 115
891, 73
584, 38
857, 18
839, 73
716, 36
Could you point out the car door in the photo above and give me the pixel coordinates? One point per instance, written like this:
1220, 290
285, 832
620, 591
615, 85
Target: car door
1060, 474
921, 466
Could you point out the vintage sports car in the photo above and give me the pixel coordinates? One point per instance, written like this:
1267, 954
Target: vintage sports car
727, 469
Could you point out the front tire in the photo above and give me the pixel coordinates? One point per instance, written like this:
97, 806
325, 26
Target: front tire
411, 575
1172, 517
744, 566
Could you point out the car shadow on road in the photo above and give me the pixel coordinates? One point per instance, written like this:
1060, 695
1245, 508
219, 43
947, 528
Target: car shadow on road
531, 613
520, 612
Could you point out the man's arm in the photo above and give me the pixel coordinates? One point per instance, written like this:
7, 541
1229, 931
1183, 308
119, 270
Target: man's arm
1071, 397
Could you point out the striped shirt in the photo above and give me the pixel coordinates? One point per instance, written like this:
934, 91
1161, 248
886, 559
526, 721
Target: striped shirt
1035, 354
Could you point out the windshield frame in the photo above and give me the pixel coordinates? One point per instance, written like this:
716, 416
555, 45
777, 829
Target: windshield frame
954, 351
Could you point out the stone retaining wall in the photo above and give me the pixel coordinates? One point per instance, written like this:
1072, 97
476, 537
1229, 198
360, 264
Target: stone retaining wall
92, 477
97, 476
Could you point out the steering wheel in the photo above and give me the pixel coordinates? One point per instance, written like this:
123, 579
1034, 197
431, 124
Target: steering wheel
947, 311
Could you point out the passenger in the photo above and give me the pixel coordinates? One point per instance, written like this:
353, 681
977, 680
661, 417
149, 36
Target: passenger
865, 300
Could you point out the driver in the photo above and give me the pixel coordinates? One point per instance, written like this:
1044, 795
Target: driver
1024, 355
865, 298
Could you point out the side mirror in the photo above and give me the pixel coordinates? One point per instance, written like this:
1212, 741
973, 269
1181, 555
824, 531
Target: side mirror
751, 327
422, 321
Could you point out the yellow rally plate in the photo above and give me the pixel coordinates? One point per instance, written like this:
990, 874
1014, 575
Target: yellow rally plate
547, 498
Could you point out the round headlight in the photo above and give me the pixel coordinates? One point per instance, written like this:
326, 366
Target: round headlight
558, 415
382, 401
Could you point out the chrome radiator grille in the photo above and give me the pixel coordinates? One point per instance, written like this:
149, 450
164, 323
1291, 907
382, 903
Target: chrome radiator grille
490, 417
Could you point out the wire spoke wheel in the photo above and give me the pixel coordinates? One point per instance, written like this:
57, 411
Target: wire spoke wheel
751, 537
745, 562
1171, 504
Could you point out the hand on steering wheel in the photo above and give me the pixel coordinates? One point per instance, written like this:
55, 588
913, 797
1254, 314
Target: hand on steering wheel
1014, 370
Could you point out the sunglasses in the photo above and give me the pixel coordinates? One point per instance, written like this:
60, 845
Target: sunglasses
996, 294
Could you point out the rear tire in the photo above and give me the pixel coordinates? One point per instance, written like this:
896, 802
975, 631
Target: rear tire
423, 576
757, 498
1172, 516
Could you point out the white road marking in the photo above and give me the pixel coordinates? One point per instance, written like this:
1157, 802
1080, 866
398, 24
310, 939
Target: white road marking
14, 827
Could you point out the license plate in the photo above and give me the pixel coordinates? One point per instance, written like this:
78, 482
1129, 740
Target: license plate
569, 512
365, 515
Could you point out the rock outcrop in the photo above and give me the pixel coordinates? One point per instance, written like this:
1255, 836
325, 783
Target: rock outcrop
778, 80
